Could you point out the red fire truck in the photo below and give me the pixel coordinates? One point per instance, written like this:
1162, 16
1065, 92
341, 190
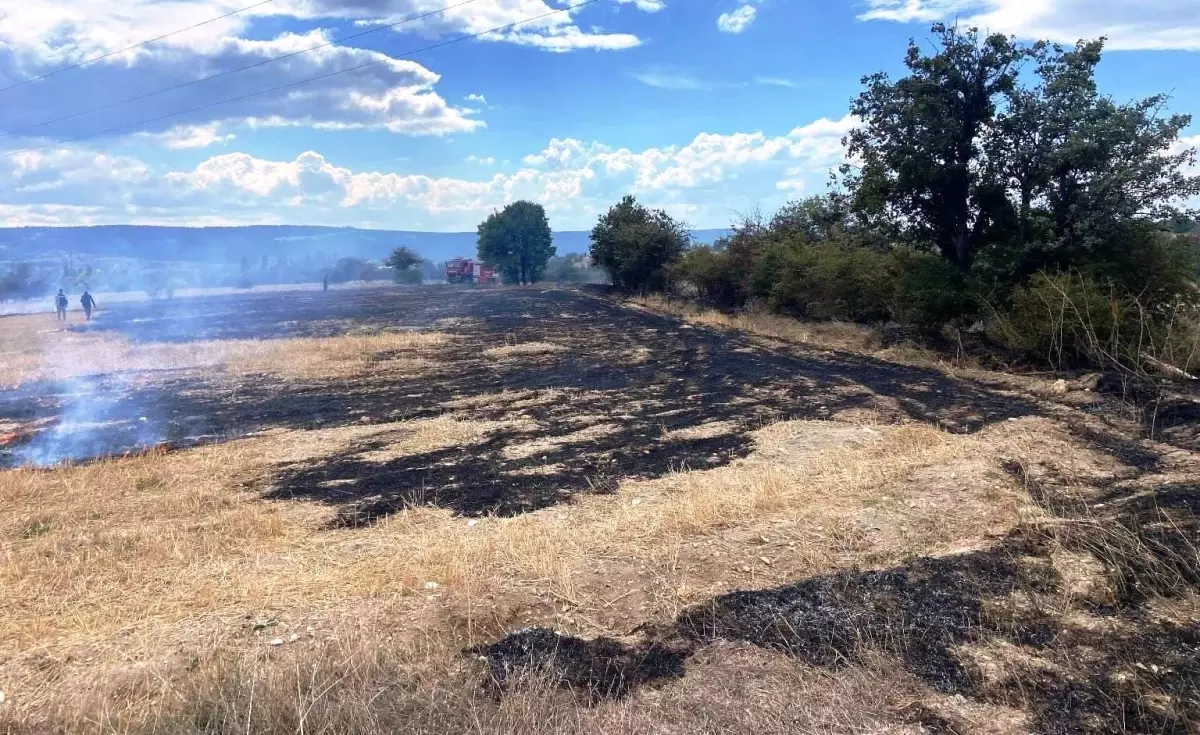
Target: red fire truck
465, 270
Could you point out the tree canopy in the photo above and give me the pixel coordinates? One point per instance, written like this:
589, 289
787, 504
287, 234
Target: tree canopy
517, 241
405, 262
636, 245
962, 157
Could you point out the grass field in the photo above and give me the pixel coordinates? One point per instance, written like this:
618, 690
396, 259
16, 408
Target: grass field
520, 510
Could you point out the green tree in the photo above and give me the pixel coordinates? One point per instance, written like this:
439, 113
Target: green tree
637, 245
517, 241
1082, 168
812, 219
921, 143
960, 157
405, 264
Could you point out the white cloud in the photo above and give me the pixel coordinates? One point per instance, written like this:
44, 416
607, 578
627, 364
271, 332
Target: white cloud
738, 20
776, 82
649, 6
391, 94
1129, 25
702, 179
476, 98
484, 160
184, 137
70, 30
671, 79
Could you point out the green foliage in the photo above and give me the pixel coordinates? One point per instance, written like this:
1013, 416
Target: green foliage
402, 259
1070, 319
961, 158
405, 264
711, 274
826, 280
637, 245
812, 219
929, 291
920, 142
517, 241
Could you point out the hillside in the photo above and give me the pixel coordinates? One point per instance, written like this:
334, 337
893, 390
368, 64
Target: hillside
231, 244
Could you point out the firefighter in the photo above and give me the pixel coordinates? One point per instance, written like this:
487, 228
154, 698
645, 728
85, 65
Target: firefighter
60, 305
88, 303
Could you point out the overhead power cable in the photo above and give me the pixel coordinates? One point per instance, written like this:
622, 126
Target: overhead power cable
148, 41
320, 77
228, 72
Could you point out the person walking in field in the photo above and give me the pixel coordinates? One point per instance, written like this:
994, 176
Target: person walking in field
60, 305
325, 283
88, 304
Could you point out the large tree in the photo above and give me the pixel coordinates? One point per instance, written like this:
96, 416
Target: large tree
517, 241
636, 244
960, 156
920, 143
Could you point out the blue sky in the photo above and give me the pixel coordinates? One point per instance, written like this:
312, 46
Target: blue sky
705, 108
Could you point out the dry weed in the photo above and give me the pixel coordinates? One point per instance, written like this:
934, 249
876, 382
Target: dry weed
522, 349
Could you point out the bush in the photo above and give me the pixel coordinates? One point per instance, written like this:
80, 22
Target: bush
1070, 320
929, 292
712, 275
825, 281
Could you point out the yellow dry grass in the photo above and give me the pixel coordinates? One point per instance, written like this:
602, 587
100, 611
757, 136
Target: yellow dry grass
143, 545
31, 348
833, 334
523, 349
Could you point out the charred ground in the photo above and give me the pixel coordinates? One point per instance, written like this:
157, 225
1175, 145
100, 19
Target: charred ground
648, 381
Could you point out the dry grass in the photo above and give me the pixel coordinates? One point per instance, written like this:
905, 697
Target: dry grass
159, 550
833, 334
141, 594
523, 349
32, 348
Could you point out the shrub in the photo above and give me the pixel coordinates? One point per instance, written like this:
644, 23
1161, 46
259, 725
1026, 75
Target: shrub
825, 281
929, 292
712, 276
1071, 320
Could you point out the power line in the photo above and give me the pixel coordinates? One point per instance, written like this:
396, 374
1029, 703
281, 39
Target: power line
239, 98
227, 72
148, 41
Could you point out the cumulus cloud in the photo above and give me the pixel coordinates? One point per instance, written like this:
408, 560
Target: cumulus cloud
738, 20
476, 98
392, 94
574, 179
1143, 25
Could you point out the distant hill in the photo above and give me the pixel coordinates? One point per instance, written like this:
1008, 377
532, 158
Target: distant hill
232, 244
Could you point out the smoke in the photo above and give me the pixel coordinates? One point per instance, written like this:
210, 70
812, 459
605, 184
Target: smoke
98, 416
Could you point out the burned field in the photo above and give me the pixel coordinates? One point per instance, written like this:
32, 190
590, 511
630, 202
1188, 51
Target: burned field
526, 510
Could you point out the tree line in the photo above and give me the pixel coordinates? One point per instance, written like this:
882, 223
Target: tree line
993, 187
